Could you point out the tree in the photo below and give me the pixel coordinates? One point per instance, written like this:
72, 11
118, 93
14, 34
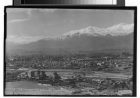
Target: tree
57, 78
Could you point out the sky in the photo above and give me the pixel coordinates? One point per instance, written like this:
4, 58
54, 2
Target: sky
25, 25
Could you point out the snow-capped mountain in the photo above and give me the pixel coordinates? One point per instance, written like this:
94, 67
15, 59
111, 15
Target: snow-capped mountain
118, 37
116, 30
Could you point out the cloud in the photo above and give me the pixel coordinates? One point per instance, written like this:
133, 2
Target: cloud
23, 39
47, 10
18, 20
28, 11
17, 11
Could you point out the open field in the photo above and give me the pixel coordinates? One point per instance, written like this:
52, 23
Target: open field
26, 87
90, 74
31, 88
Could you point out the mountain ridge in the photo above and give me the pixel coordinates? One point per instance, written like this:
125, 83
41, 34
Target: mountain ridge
115, 30
73, 45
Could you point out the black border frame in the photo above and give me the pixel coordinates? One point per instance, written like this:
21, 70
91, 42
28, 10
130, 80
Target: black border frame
23, 3
78, 7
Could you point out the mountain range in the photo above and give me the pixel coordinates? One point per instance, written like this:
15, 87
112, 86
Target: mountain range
118, 37
115, 30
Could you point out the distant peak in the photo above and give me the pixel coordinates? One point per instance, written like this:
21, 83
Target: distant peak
115, 30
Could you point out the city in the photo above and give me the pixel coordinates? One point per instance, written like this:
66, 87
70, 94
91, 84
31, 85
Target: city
100, 73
